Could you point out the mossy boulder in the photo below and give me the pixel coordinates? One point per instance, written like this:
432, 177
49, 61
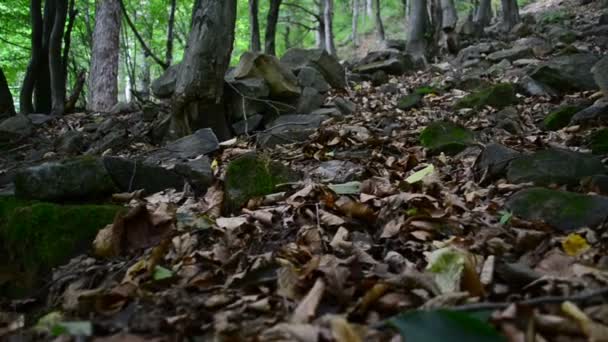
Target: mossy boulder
75, 179
251, 176
566, 211
599, 141
498, 96
410, 101
554, 166
446, 137
567, 73
37, 236
560, 117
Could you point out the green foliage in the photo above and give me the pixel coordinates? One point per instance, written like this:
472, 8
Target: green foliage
444, 325
554, 16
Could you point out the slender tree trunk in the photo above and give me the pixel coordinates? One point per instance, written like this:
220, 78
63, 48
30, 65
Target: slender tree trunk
418, 28
483, 16
379, 24
70, 104
254, 26
286, 38
170, 34
369, 8
67, 39
42, 90
510, 14
449, 19
320, 33
271, 27
404, 8
355, 23
103, 78
6, 98
330, 44
29, 81
198, 98
55, 58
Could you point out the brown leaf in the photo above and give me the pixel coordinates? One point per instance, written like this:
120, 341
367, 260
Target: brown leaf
307, 308
355, 209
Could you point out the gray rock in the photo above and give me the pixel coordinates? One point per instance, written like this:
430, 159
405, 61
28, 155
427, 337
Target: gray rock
114, 140
492, 162
600, 30
311, 77
107, 125
511, 54
164, 86
130, 175
338, 171
379, 78
40, 119
252, 87
567, 73
597, 112
288, 129
566, 211
71, 142
522, 29
392, 62
150, 112
124, 108
252, 124
199, 143
329, 111
347, 107
531, 87
309, 101
508, 119
326, 64
603, 20
198, 173
77, 179
390, 88
281, 81
397, 44
15, 127
554, 166
600, 74
562, 35
539, 46
474, 52
409, 101
471, 82
446, 137
499, 69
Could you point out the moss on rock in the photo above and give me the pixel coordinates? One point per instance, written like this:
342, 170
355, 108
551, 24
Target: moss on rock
498, 96
565, 211
446, 137
560, 117
36, 236
251, 176
599, 141
409, 101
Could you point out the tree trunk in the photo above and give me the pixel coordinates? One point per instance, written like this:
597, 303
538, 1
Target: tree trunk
369, 8
271, 27
198, 98
449, 19
418, 28
103, 77
254, 26
483, 16
42, 90
355, 23
170, 34
404, 8
330, 45
70, 104
55, 58
510, 14
6, 98
320, 33
32, 71
67, 39
379, 24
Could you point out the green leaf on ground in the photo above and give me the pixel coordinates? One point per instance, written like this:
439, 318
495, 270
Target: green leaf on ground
350, 188
76, 328
444, 325
505, 217
161, 273
419, 175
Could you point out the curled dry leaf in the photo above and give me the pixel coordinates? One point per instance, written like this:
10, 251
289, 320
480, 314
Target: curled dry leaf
307, 308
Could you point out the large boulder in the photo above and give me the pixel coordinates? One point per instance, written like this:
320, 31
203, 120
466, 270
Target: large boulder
311, 77
130, 175
554, 166
600, 74
497, 96
446, 137
310, 101
566, 211
15, 127
76, 179
251, 176
392, 62
569, 73
164, 86
326, 64
201, 142
492, 162
281, 81
596, 113
288, 129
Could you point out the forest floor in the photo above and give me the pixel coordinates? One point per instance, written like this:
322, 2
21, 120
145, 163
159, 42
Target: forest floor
327, 262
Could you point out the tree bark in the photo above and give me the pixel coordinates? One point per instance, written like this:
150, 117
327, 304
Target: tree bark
170, 34
404, 8
379, 24
330, 44
320, 33
418, 28
483, 16
355, 23
449, 19
42, 90
70, 104
55, 58
198, 98
103, 77
369, 8
67, 39
510, 14
271, 27
6, 98
254, 26
29, 81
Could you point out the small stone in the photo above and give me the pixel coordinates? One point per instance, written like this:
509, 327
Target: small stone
71, 142
347, 107
338, 171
